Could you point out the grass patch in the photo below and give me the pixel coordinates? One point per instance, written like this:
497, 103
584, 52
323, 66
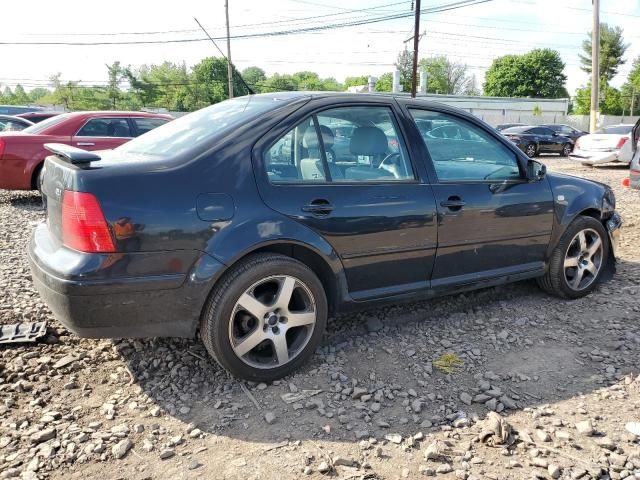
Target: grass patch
449, 363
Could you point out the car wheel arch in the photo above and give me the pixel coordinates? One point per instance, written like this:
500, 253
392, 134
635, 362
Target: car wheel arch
328, 270
35, 173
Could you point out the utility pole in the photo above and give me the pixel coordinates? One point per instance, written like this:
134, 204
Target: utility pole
633, 100
416, 40
595, 65
229, 67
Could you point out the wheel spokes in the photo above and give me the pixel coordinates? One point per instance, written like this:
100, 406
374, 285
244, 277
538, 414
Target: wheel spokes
252, 305
570, 262
300, 319
281, 348
594, 247
285, 292
250, 342
575, 281
591, 268
582, 241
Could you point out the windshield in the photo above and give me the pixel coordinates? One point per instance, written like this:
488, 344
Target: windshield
43, 125
617, 129
191, 130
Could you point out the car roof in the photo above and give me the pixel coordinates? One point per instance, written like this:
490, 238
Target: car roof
115, 113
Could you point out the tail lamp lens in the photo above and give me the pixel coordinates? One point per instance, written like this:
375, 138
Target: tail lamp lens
84, 227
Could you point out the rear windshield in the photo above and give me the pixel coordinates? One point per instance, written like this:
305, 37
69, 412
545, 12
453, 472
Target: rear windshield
618, 129
516, 130
43, 125
193, 129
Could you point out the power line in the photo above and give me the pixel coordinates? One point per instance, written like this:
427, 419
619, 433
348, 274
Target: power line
436, 9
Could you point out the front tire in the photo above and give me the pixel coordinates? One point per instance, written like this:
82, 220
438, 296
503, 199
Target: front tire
566, 150
265, 318
578, 261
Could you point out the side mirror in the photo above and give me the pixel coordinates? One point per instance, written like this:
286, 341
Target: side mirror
555, 134
536, 170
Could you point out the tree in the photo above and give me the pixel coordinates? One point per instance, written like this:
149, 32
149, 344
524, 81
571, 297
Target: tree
631, 88
385, 82
210, 76
38, 93
116, 74
20, 96
307, 81
445, 76
279, 83
356, 81
612, 50
255, 77
610, 101
472, 87
404, 64
538, 73
8, 97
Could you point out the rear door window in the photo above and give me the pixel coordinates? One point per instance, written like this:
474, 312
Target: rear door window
144, 125
105, 127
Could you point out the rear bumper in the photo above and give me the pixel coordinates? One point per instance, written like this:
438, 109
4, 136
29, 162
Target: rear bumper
594, 158
122, 307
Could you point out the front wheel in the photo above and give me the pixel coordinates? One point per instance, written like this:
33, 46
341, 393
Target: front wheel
578, 260
265, 318
566, 150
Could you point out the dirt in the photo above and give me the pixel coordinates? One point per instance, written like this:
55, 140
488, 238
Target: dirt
546, 364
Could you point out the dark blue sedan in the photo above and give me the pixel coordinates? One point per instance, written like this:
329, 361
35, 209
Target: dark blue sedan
252, 221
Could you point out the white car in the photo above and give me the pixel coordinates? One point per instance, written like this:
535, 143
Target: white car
608, 144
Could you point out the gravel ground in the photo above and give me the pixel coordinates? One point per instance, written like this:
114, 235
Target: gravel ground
376, 401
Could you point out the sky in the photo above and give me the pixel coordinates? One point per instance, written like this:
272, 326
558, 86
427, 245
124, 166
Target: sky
472, 35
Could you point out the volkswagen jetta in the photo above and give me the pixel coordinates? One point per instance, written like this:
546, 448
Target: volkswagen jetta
250, 222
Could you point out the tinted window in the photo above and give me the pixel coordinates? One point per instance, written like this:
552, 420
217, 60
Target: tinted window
145, 125
566, 130
462, 151
45, 124
356, 144
190, 131
363, 144
296, 157
618, 129
105, 127
517, 130
11, 126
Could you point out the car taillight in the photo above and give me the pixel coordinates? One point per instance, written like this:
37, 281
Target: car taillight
622, 141
84, 227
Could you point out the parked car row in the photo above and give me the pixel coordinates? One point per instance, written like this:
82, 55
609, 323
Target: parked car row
22, 153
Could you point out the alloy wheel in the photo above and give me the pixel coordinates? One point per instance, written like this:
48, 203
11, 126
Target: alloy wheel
272, 321
566, 150
583, 259
531, 151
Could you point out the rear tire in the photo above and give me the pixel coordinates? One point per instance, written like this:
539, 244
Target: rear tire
578, 261
566, 150
531, 150
265, 317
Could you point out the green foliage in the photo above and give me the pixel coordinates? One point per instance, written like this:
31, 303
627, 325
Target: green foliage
612, 50
356, 81
610, 101
446, 77
404, 64
385, 82
255, 77
538, 73
537, 111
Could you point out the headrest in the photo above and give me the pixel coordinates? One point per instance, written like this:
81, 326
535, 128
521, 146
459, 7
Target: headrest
310, 138
327, 136
368, 141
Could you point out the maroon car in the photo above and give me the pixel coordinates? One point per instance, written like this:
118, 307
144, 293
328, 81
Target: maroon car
22, 153
38, 116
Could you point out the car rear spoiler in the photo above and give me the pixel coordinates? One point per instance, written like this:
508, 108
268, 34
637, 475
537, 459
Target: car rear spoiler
71, 154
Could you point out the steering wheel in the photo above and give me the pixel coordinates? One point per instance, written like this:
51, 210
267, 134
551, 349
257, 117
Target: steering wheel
387, 159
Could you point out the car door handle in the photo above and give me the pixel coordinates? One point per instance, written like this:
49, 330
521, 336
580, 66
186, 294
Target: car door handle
319, 206
86, 144
453, 203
